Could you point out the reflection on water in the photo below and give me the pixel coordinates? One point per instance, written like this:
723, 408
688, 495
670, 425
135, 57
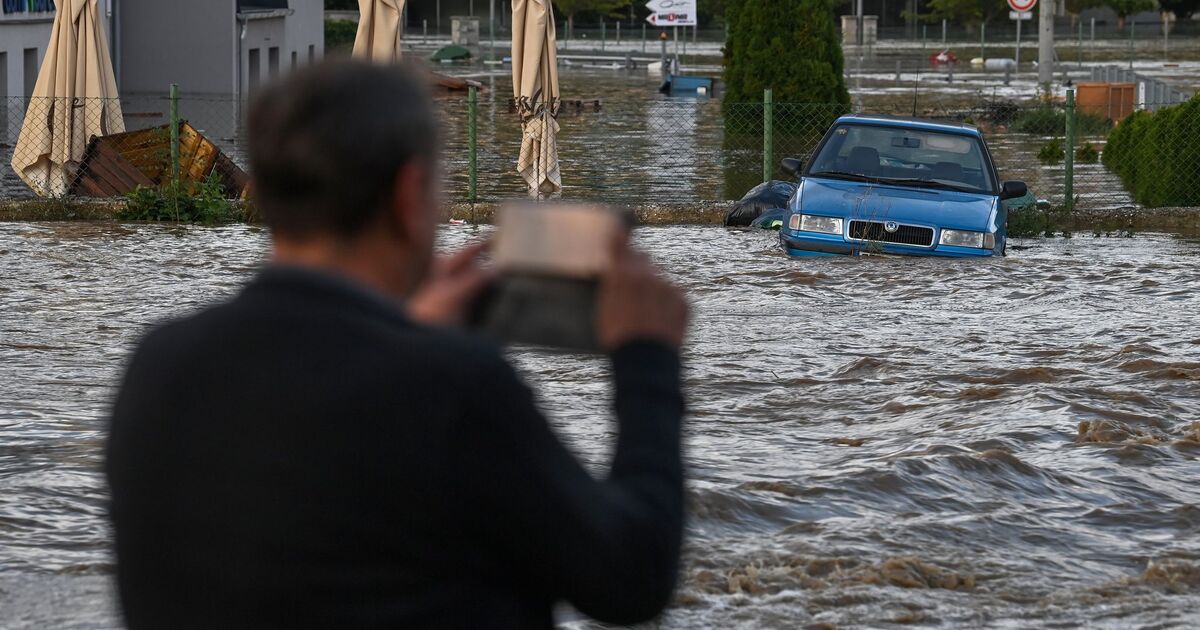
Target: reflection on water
871, 442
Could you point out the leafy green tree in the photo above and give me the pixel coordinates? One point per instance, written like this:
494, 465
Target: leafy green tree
1075, 7
1182, 9
571, 8
1126, 8
790, 46
969, 13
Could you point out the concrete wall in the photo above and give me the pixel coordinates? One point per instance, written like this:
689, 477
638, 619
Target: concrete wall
298, 36
19, 33
263, 38
195, 43
177, 41
305, 28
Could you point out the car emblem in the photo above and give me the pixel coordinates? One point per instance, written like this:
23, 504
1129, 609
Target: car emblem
891, 226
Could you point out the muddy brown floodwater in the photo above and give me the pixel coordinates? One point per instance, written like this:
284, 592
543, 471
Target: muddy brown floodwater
872, 442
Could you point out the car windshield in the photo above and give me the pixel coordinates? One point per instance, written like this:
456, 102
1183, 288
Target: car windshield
902, 156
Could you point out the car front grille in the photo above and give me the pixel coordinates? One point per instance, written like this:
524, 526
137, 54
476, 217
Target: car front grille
904, 234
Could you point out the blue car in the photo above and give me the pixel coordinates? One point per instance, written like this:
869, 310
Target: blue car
903, 186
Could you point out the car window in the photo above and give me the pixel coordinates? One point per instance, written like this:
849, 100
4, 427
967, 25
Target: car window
905, 154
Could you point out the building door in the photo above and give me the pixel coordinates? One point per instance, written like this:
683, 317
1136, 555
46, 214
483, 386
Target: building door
30, 70
254, 62
273, 62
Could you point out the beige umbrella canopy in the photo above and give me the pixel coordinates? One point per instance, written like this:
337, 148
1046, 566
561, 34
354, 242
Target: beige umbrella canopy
378, 37
535, 86
75, 98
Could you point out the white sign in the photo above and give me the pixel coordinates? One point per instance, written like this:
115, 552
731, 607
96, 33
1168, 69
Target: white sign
672, 12
1022, 15
1021, 5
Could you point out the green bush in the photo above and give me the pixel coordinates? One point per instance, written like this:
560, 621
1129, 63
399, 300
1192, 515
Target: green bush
1052, 152
1157, 155
1050, 121
1087, 154
340, 34
789, 46
204, 203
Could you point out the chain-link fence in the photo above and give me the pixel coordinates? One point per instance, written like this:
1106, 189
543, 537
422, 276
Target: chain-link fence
670, 151
54, 147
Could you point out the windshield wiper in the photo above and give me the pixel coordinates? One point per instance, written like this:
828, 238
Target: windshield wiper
858, 177
928, 183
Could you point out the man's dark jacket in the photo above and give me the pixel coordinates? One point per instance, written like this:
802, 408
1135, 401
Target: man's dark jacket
305, 456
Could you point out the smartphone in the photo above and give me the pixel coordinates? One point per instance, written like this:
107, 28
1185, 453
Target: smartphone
549, 258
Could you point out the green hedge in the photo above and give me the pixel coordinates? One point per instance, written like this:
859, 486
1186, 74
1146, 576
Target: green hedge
1157, 155
340, 34
1048, 121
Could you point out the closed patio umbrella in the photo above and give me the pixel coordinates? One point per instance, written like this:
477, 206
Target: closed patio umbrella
378, 37
535, 87
75, 98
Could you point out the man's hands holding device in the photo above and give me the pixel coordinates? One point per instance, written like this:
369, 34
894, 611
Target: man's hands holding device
563, 276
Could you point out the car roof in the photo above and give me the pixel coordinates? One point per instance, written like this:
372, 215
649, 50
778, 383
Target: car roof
911, 123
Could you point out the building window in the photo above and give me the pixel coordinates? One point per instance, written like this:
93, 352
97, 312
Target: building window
253, 78
250, 5
3, 76
294, 56
273, 62
30, 70
312, 53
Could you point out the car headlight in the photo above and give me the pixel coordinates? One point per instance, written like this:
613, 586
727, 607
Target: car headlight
810, 223
965, 238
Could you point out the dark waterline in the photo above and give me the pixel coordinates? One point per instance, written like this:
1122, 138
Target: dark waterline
1009, 442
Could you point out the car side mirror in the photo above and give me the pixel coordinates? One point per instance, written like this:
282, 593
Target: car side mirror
792, 166
1012, 190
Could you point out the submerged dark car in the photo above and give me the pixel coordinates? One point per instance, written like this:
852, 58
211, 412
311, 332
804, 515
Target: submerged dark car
898, 186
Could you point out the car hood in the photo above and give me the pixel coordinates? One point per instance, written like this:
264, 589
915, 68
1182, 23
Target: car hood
861, 200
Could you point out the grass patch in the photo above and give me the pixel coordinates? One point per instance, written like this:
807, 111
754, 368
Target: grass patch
205, 204
1030, 221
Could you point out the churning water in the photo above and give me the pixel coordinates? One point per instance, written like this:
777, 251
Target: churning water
872, 442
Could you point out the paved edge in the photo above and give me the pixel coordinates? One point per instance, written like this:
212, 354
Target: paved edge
1186, 220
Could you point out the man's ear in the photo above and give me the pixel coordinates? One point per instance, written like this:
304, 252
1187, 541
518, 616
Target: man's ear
410, 199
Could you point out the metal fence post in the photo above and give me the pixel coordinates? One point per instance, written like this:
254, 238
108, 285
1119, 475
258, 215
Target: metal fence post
175, 136
768, 135
472, 148
1132, 31
1069, 157
983, 43
1079, 46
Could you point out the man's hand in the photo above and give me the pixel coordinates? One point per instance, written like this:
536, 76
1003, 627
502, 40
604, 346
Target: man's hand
455, 281
637, 304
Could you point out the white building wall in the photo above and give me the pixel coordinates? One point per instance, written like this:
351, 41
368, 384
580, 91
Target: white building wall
21, 32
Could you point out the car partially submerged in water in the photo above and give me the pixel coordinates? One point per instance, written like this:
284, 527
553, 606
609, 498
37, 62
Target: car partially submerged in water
905, 186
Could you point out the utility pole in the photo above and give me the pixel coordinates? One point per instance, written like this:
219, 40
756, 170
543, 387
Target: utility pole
858, 21
1045, 44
